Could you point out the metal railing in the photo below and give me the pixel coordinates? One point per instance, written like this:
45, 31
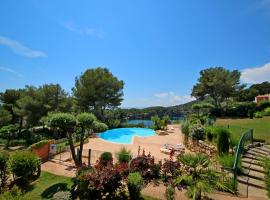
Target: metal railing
246, 137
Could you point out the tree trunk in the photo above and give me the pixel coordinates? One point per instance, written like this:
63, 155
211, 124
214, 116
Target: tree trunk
198, 195
20, 126
72, 149
81, 147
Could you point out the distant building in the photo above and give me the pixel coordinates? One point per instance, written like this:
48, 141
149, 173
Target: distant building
260, 98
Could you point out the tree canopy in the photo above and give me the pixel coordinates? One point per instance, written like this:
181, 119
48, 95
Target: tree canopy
97, 89
249, 93
217, 83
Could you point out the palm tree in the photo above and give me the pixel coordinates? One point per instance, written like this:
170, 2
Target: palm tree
198, 177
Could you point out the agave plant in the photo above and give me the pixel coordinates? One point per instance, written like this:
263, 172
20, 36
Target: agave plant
197, 177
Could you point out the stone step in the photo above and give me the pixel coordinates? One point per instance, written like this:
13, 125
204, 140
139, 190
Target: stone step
263, 153
251, 161
257, 193
267, 146
250, 156
251, 182
253, 174
253, 167
253, 193
263, 148
259, 156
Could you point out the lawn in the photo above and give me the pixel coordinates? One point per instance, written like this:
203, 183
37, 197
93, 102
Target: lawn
48, 184
260, 126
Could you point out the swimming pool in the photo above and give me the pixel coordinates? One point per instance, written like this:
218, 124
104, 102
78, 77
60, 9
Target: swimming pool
125, 135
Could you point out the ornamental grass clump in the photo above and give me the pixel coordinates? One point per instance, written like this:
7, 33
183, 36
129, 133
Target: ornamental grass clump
106, 158
124, 155
135, 184
223, 144
170, 192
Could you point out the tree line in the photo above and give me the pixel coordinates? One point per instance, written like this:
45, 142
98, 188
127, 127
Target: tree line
100, 92
94, 91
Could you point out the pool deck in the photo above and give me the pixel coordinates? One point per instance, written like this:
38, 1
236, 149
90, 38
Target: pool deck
151, 144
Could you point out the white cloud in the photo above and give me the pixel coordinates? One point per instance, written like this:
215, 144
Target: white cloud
161, 95
171, 99
256, 74
9, 70
20, 49
84, 30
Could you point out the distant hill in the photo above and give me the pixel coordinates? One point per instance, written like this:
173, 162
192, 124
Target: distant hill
147, 113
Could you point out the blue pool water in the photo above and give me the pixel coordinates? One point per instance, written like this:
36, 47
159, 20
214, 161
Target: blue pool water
125, 135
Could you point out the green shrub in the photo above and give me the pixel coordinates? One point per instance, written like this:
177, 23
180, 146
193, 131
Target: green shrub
135, 183
185, 127
229, 185
266, 112
196, 131
8, 132
113, 123
38, 144
4, 157
24, 165
14, 194
62, 195
227, 161
262, 105
233, 142
170, 192
223, 144
240, 109
99, 127
106, 157
209, 133
258, 115
123, 156
62, 140
126, 125
266, 166
22, 142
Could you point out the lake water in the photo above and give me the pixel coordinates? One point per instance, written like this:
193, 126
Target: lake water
147, 123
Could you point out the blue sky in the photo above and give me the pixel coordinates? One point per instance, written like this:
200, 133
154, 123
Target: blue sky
157, 47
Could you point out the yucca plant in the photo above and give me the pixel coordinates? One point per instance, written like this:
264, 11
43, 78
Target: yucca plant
198, 177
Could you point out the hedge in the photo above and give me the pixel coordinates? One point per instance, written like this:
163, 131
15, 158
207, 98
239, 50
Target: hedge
38, 144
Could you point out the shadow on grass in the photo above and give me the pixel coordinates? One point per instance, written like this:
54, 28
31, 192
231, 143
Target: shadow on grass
50, 191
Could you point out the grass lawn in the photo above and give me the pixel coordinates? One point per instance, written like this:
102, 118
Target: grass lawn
260, 126
48, 184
